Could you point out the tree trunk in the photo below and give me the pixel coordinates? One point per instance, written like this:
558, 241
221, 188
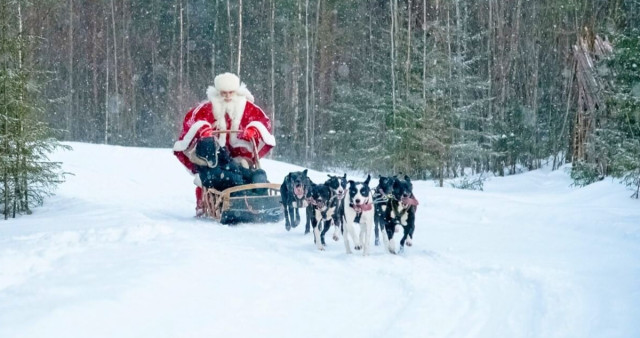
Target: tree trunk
181, 61
424, 51
115, 59
459, 70
489, 63
21, 160
94, 74
393, 61
239, 36
5, 111
295, 90
213, 40
408, 62
536, 63
306, 84
273, 67
106, 92
69, 115
229, 29
450, 55
313, 83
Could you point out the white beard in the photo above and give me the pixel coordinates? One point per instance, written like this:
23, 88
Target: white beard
235, 110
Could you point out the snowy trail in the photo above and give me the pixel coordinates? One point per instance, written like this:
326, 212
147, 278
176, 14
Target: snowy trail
529, 257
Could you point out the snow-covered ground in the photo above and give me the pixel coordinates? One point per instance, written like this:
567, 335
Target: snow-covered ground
118, 253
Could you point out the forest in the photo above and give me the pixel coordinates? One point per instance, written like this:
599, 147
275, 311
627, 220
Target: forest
430, 88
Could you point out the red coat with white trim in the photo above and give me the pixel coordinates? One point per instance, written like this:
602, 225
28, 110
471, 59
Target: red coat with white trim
216, 114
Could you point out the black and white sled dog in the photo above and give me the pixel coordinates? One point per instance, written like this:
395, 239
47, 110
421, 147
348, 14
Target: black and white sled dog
400, 215
358, 209
322, 206
217, 170
380, 198
338, 185
293, 193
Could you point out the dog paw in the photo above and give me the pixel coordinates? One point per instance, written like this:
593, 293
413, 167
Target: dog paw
408, 242
306, 231
335, 238
377, 242
288, 227
398, 227
401, 251
357, 247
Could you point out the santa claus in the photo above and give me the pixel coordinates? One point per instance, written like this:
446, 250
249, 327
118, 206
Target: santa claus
230, 108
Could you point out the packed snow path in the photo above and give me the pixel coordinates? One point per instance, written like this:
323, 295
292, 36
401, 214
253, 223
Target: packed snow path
118, 253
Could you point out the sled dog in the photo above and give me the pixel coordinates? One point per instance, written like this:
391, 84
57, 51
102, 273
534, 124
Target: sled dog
338, 185
322, 206
293, 193
400, 215
380, 199
217, 170
358, 210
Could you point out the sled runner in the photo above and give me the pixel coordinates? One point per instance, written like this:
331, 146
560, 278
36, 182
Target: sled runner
247, 203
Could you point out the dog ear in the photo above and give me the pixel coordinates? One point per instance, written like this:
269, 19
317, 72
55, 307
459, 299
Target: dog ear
367, 180
345, 176
406, 178
351, 182
304, 172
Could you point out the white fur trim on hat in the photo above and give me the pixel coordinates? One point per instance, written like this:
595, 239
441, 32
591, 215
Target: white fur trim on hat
213, 92
227, 82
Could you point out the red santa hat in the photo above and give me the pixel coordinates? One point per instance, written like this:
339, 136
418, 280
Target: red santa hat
227, 82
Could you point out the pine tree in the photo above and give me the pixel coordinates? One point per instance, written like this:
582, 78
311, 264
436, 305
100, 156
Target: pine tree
27, 176
624, 105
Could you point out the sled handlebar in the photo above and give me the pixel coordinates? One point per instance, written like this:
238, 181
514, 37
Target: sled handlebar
226, 131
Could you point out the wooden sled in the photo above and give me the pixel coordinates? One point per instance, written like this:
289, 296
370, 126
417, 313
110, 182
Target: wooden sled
248, 203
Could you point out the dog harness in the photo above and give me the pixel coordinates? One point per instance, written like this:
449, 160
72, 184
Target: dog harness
410, 201
380, 197
359, 209
321, 205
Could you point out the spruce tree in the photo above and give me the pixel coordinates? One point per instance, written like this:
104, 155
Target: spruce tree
27, 175
624, 105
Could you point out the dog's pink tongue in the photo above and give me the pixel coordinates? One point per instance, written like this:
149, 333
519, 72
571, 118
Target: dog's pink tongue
366, 207
410, 201
299, 191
